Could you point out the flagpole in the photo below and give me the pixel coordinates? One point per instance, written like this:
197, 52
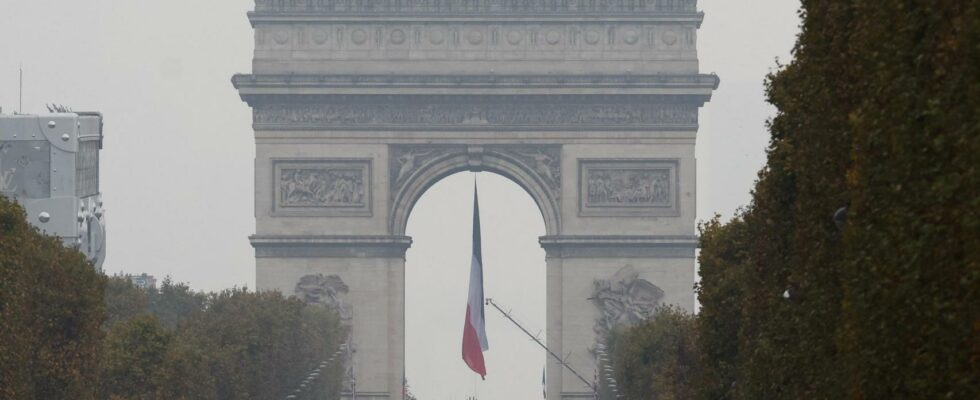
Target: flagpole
592, 386
20, 104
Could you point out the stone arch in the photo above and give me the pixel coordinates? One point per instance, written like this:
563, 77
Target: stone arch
525, 165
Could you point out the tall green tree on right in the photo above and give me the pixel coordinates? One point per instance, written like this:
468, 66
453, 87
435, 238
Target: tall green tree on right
879, 114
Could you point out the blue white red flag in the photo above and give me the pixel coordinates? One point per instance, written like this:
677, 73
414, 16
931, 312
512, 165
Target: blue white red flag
474, 329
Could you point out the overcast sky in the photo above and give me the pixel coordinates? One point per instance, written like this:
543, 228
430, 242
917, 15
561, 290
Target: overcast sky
178, 162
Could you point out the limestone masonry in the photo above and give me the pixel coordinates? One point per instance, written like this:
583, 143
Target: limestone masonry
591, 106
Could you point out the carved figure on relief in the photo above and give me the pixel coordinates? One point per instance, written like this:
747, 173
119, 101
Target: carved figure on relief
624, 300
407, 162
642, 187
544, 164
321, 187
329, 291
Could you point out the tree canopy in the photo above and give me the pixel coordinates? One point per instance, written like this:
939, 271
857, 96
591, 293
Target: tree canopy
855, 271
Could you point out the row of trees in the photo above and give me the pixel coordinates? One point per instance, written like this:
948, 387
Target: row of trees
68, 332
51, 310
878, 115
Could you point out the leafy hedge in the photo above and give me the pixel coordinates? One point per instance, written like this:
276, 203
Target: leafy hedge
879, 112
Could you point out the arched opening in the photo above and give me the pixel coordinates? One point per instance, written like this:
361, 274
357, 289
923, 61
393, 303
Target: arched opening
437, 273
539, 178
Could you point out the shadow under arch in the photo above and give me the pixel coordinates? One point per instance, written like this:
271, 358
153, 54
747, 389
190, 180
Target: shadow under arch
474, 159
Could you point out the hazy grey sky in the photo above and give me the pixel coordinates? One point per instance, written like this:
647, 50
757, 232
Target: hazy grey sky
178, 162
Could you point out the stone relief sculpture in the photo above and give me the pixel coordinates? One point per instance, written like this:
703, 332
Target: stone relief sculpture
409, 158
624, 300
544, 164
625, 186
329, 291
408, 164
475, 115
541, 160
545, 161
321, 187
628, 187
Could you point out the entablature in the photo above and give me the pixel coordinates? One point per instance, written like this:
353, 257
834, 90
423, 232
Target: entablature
696, 87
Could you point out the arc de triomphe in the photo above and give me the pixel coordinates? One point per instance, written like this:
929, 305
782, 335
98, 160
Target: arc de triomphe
590, 105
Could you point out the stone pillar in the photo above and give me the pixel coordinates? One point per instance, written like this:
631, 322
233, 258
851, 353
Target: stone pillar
553, 331
587, 274
365, 279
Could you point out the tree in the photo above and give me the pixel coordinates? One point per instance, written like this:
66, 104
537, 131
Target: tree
721, 293
878, 124
657, 359
51, 308
133, 358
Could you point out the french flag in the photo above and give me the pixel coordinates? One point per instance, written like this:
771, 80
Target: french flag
474, 329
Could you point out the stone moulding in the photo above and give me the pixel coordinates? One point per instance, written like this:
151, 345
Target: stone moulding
461, 116
698, 84
476, 102
535, 167
619, 246
329, 246
483, 7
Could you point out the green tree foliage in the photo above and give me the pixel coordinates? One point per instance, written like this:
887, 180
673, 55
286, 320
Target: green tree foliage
155, 343
50, 312
718, 326
912, 276
878, 112
170, 303
262, 345
658, 359
229, 345
134, 353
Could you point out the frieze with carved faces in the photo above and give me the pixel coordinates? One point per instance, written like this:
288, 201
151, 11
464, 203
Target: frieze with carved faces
628, 187
483, 7
475, 116
624, 300
329, 187
619, 187
502, 38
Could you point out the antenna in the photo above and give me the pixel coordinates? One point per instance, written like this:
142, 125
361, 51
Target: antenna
20, 108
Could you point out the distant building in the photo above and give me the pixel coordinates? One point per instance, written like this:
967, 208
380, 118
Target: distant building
50, 165
143, 281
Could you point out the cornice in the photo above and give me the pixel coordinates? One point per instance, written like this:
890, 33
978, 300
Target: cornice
603, 246
336, 246
475, 7
696, 85
257, 18
619, 240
